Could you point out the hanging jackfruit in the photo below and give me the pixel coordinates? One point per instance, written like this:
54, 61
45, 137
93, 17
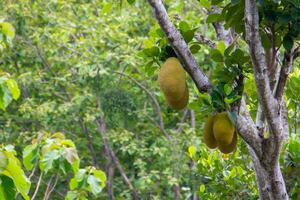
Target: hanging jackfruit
172, 81
181, 103
208, 135
223, 129
229, 148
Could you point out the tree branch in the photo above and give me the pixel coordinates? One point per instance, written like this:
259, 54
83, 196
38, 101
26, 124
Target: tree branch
222, 34
102, 131
284, 73
180, 46
203, 40
247, 130
154, 102
265, 96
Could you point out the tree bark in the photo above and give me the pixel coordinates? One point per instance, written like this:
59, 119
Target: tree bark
269, 179
109, 182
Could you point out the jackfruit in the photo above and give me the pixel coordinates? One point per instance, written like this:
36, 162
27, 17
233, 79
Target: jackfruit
208, 135
181, 103
223, 129
172, 80
229, 148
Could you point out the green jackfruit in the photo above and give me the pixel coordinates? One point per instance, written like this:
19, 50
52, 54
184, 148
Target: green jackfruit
181, 103
172, 81
208, 135
229, 148
223, 129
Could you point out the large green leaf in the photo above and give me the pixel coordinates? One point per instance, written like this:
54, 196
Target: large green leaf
15, 172
7, 188
29, 154
13, 88
47, 160
8, 29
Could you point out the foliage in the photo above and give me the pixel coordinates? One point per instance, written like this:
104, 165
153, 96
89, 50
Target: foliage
59, 62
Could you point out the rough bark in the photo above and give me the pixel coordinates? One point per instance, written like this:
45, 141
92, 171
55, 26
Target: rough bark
109, 182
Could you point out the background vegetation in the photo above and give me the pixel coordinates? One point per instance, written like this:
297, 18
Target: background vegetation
86, 110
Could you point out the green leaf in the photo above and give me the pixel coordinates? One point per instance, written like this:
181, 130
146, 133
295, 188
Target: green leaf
131, 1
3, 160
5, 96
152, 52
214, 17
101, 176
221, 47
15, 172
70, 154
47, 160
192, 151
288, 42
8, 29
94, 184
266, 42
195, 48
227, 89
205, 3
216, 55
184, 26
202, 188
188, 35
228, 50
7, 188
29, 154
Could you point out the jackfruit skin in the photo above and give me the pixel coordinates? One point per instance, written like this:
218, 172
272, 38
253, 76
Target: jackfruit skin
171, 80
223, 129
181, 103
208, 135
229, 148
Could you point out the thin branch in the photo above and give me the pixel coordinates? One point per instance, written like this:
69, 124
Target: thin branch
48, 187
37, 186
154, 102
222, 34
89, 139
52, 187
284, 73
180, 46
183, 120
102, 131
193, 120
203, 40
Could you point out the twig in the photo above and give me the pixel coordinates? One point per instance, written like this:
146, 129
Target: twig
37, 186
154, 102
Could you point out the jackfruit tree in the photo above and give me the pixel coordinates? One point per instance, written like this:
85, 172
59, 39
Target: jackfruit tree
176, 99
255, 40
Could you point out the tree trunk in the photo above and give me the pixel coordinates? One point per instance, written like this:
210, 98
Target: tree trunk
109, 183
269, 179
176, 189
